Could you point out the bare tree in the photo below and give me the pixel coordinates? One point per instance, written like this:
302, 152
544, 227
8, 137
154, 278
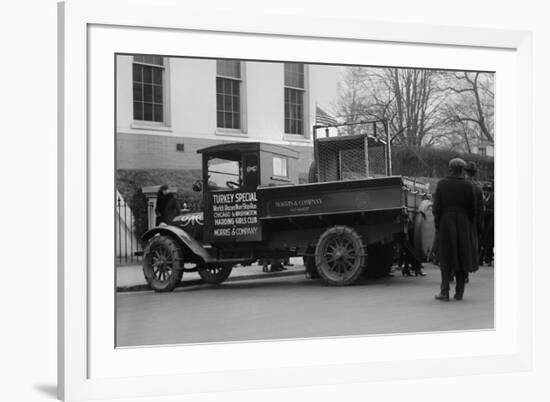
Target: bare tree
471, 105
352, 104
408, 99
422, 107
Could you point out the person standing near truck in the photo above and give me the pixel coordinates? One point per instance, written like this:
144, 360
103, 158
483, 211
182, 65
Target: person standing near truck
167, 206
454, 212
477, 227
487, 238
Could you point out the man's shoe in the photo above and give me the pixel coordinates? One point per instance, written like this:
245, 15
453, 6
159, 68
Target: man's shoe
457, 297
442, 297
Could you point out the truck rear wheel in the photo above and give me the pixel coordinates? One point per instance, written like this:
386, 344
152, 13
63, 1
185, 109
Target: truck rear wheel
215, 274
340, 255
162, 262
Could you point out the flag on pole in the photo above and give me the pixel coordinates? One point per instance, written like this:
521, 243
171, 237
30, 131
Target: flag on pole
323, 118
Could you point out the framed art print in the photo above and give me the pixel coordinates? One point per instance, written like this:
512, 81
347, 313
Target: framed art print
256, 201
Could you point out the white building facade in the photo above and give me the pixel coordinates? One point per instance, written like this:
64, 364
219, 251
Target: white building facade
167, 107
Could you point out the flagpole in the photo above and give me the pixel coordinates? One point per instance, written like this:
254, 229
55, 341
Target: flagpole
315, 148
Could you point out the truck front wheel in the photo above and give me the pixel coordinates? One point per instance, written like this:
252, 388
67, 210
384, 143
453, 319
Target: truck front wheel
162, 262
340, 255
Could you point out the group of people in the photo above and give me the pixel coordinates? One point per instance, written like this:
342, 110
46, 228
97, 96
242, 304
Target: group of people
463, 239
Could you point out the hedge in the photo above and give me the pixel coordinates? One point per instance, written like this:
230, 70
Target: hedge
430, 162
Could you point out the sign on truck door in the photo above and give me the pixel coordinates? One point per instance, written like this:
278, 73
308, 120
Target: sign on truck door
231, 192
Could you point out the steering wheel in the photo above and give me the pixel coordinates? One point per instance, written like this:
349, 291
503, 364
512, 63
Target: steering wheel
232, 185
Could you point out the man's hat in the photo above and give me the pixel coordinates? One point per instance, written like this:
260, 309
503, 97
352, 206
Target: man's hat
457, 163
471, 167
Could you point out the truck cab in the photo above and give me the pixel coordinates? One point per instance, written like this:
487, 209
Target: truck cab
232, 174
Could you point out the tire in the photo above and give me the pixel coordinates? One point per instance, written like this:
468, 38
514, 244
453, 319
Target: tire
215, 274
311, 269
162, 263
340, 256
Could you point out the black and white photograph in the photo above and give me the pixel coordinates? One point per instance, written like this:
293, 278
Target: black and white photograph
276, 200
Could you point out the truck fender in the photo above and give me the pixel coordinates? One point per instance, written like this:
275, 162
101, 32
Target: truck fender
182, 236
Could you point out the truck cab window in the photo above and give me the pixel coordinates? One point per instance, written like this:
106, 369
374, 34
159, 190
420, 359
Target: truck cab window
224, 174
280, 167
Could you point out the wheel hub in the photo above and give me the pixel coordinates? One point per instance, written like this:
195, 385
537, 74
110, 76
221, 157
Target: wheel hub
162, 263
339, 254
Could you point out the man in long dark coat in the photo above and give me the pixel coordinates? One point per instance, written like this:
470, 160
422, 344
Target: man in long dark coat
454, 211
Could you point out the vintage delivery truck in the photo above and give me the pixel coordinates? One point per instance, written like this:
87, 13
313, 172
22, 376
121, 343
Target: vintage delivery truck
345, 222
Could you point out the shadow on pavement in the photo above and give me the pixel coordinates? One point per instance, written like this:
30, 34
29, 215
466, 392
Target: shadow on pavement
47, 389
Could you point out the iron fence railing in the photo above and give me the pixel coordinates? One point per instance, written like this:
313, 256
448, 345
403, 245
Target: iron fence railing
127, 242
127, 238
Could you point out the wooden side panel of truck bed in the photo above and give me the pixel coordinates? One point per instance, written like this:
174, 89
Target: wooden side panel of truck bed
339, 197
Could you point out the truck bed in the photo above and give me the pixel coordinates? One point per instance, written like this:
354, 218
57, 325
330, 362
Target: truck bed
364, 195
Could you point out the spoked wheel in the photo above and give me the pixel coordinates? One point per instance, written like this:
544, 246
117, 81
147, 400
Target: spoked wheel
340, 255
215, 274
162, 264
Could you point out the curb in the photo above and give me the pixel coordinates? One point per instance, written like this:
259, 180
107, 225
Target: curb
194, 282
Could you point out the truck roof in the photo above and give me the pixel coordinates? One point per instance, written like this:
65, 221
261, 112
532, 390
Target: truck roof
236, 148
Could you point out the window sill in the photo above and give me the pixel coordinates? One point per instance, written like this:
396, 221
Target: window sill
296, 138
230, 132
150, 126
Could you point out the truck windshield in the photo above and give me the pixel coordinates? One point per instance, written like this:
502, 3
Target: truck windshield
224, 174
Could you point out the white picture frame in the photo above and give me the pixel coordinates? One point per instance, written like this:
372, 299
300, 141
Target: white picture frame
90, 367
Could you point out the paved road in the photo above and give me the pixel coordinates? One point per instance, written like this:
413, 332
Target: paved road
291, 307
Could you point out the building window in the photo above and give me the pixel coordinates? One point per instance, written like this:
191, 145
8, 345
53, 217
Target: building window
180, 147
148, 88
228, 93
482, 151
280, 167
294, 98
